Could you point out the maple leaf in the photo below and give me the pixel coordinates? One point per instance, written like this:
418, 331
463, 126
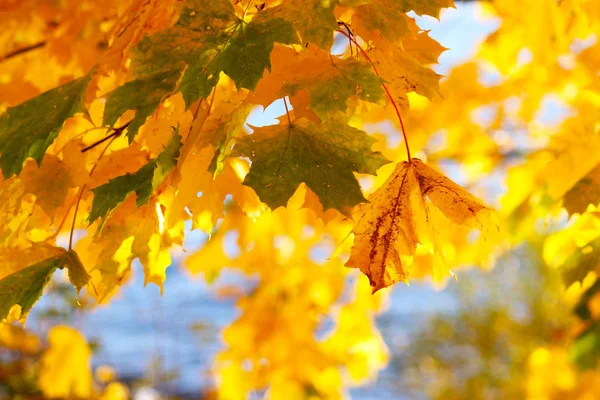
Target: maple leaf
142, 95
317, 23
380, 21
330, 81
423, 48
24, 287
386, 20
28, 129
220, 131
396, 219
209, 39
404, 74
323, 156
36, 178
143, 182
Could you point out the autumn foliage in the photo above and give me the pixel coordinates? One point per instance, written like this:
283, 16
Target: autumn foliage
123, 128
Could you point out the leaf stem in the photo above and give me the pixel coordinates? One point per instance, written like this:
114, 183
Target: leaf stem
62, 222
22, 50
287, 111
358, 46
75, 217
116, 132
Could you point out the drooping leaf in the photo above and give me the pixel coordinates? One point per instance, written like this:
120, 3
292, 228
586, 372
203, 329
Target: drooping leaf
209, 39
25, 286
395, 220
142, 182
323, 156
77, 273
28, 129
141, 95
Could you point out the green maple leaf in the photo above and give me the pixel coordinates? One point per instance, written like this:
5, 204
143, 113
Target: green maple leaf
314, 19
331, 92
387, 19
25, 286
142, 182
167, 159
141, 95
209, 39
322, 156
28, 129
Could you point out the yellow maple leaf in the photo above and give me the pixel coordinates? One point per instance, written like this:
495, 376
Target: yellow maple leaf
396, 220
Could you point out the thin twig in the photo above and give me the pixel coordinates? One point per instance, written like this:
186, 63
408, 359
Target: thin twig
287, 111
116, 132
342, 23
358, 46
22, 50
75, 216
62, 222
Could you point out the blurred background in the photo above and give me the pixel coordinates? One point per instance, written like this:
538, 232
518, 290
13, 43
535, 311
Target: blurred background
480, 337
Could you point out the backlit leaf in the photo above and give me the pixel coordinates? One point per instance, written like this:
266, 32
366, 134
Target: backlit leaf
322, 156
28, 129
141, 95
209, 39
395, 220
314, 19
142, 182
329, 81
25, 286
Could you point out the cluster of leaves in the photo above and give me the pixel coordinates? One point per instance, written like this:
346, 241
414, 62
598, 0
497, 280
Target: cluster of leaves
250, 55
140, 131
150, 135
